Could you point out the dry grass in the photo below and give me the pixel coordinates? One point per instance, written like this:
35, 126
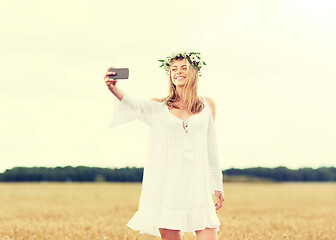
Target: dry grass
252, 211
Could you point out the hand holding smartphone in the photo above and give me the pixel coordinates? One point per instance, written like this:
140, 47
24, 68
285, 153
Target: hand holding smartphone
121, 73
113, 74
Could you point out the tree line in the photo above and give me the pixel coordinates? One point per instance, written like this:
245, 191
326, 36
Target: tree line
133, 174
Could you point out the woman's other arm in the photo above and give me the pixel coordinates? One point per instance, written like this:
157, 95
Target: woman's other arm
215, 172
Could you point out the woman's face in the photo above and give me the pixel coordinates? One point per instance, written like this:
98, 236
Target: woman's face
179, 72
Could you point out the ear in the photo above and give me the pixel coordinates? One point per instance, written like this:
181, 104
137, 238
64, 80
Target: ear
212, 106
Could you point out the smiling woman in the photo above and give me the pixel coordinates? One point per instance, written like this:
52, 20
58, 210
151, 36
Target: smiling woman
182, 169
183, 79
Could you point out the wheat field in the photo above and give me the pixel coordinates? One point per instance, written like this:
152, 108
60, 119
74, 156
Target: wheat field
251, 211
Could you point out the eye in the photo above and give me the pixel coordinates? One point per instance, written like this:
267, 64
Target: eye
174, 69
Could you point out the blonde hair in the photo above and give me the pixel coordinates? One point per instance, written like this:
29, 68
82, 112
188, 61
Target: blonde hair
193, 102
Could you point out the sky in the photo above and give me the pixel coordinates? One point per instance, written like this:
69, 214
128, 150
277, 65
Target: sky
270, 70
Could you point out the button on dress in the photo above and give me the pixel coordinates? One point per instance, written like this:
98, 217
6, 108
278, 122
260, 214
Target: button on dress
181, 169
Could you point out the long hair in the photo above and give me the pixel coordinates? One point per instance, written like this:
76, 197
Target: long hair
193, 102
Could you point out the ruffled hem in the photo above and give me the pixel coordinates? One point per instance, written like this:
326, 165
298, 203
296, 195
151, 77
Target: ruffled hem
150, 220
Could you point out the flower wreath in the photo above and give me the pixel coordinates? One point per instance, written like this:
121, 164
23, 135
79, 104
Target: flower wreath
193, 58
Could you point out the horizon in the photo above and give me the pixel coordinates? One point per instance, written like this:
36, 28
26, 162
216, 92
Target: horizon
2, 171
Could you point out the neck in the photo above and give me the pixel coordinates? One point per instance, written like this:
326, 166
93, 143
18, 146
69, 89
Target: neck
180, 92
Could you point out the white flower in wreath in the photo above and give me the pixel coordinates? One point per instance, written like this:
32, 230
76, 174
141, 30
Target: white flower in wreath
193, 58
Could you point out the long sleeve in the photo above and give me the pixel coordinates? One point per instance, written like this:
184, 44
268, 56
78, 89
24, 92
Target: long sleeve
215, 172
131, 108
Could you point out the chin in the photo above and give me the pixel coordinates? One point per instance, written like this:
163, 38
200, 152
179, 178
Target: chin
177, 83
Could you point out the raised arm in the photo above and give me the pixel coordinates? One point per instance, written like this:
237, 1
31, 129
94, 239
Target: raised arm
128, 108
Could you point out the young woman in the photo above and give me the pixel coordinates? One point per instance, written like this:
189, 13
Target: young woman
182, 167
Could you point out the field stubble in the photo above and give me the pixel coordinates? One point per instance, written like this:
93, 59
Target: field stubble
251, 211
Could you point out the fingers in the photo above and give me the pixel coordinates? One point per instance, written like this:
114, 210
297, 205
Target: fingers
110, 82
220, 200
110, 73
218, 205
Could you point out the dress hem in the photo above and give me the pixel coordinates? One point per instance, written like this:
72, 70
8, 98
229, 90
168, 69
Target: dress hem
150, 220
156, 232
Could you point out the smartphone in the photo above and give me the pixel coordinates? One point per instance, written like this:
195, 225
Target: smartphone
121, 73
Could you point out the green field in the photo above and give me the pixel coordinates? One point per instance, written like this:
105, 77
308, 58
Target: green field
251, 211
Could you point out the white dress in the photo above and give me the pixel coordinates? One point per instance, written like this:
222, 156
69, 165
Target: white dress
181, 170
